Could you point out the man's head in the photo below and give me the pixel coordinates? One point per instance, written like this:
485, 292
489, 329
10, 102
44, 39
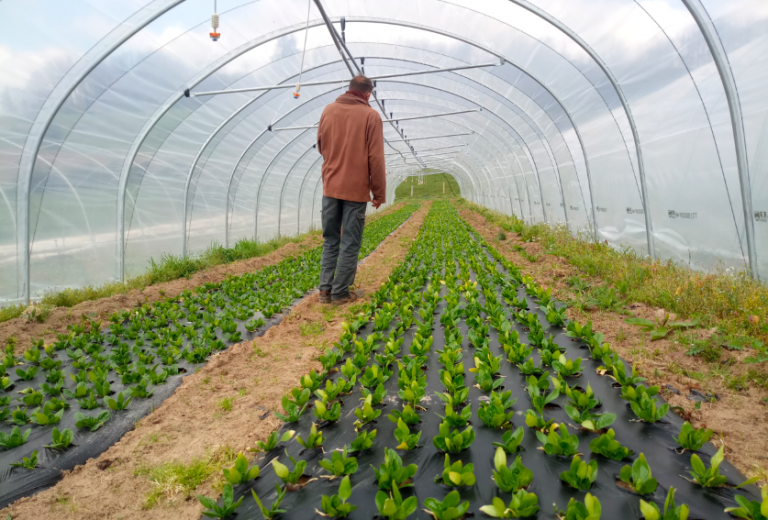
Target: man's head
362, 84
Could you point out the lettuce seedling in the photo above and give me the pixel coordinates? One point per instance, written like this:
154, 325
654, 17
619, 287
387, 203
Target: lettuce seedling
691, 438
346, 385
363, 441
392, 473
339, 464
589, 421
15, 439
120, 404
607, 446
448, 509
289, 477
672, 511
749, 509
374, 375
510, 479
46, 415
567, 367
349, 370
510, 441
26, 462
293, 411
621, 377
563, 444
329, 359
523, 504
301, 395
93, 423
227, 509
708, 477
272, 441
336, 506
455, 398
393, 506
556, 317
312, 380
639, 476
240, 473
581, 400
494, 412
517, 352
457, 474
420, 345
581, 475
413, 393
408, 440
55, 389
28, 374
456, 420
377, 395
89, 403
486, 382
634, 394
453, 441
61, 439
589, 510
646, 409
366, 413
536, 421
408, 416
529, 368
314, 440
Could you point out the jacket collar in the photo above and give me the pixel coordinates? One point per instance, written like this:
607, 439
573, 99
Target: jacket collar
351, 97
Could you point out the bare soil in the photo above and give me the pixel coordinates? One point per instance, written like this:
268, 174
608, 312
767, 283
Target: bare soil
192, 424
739, 419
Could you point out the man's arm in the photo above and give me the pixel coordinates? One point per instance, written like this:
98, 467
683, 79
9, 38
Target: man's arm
376, 164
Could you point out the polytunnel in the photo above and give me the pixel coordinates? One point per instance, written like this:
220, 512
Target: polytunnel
126, 133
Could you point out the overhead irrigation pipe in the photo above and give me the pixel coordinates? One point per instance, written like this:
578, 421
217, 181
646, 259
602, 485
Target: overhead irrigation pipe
188, 93
410, 118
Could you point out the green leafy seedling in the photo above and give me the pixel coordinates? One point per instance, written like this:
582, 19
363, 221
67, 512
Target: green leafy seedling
458, 474
408, 440
274, 510
581, 474
121, 403
339, 464
392, 473
567, 367
292, 410
323, 413
449, 509
240, 473
393, 506
366, 413
639, 477
272, 441
589, 421
315, 439
510, 478
61, 439
692, 439
646, 409
453, 441
751, 510
607, 446
377, 395
93, 423
562, 444
336, 506
494, 412
456, 420
522, 505
214, 510
408, 416
363, 441
26, 462
589, 510
510, 441
47, 415
289, 477
672, 511
708, 477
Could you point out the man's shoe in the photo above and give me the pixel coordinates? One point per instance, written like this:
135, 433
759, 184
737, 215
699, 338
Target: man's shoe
325, 296
354, 296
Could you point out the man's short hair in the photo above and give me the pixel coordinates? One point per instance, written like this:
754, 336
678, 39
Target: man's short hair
361, 84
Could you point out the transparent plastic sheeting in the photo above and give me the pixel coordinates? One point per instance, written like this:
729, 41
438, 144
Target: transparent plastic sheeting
104, 164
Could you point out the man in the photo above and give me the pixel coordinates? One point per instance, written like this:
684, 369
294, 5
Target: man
350, 137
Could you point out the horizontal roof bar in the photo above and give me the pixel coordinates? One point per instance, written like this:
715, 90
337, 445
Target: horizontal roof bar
433, 149
431, 137
410, 118
187, 92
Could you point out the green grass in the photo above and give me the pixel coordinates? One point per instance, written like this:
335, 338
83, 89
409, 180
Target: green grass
432, 188
728, 300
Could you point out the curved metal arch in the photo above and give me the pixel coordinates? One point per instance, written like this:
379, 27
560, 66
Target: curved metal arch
285, 183
572, 35
720, 57
213, 67
53, 103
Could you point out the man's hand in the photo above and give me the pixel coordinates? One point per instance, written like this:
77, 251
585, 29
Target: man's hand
375, 203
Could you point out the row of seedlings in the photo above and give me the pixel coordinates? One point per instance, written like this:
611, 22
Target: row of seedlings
92, 374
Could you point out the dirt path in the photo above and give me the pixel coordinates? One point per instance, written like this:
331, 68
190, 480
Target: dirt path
740, 420
61, 317
192, 423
